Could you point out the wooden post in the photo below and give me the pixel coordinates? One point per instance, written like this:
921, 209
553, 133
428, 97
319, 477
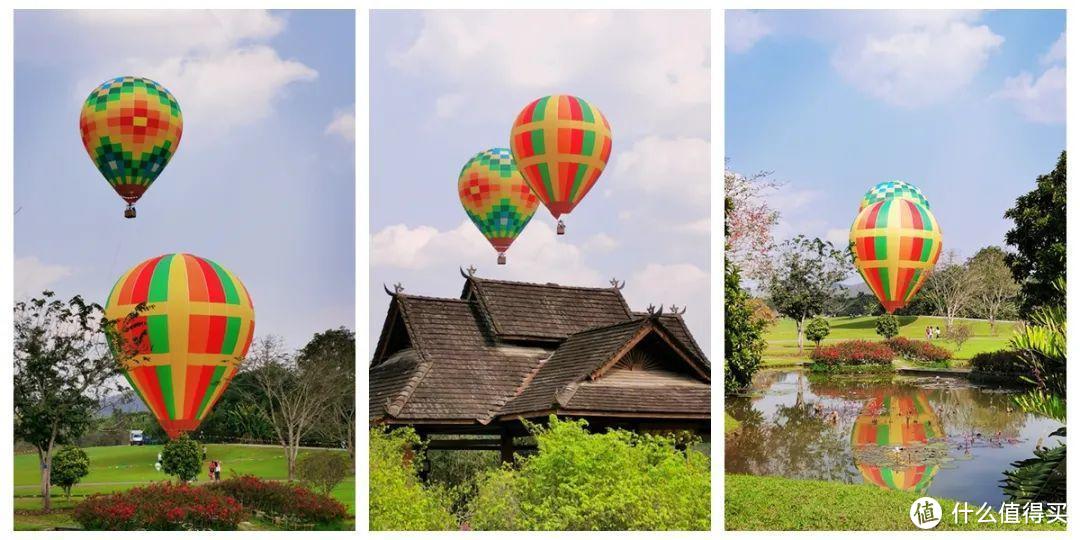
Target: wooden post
506, 446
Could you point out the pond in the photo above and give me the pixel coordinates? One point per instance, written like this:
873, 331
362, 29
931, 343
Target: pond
939, 436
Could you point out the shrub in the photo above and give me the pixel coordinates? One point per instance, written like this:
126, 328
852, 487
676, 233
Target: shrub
291, 503
817, 329
887, 326
160, 507
397, 499
69, 466
958, 334
1003, 363
323, 471
855, 352
182, 458
918, 350
578, 480
744, 334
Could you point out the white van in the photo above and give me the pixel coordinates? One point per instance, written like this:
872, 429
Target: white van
136, 438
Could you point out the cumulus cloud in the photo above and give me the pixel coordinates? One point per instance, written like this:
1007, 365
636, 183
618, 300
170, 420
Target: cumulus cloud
743, 29
677, 168
916, 66
343, 125
33, 276
1039, 100
1056, 53
681, 284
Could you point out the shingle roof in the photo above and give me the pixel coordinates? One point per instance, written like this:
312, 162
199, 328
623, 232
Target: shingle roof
546, 311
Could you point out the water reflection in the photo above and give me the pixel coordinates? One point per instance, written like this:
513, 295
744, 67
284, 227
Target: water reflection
944, 437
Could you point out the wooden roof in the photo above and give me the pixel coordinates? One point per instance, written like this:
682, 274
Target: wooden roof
506, 350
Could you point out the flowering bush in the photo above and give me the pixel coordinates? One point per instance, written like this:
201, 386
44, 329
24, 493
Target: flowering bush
917, 350
160, 507
856, 352
289, 502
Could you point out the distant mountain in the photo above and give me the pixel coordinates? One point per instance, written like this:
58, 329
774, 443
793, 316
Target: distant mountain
127, 402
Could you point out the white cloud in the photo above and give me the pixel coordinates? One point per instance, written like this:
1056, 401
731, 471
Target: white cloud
33, 276
343, 125
681, 284
701, 226
600, 243
537, 255
674, 168
1056, 52
448, 105
1039, 100
743, 29
917, 66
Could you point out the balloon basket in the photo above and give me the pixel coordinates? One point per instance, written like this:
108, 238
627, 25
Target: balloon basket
502, 258
560, 229
129, 212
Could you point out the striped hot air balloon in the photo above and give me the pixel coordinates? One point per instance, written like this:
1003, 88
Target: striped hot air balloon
896, 243
893, 189
890, 422
181, 352
496, 198
561, 145
131, 127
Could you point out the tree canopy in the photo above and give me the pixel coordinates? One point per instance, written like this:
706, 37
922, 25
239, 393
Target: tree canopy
1038, 238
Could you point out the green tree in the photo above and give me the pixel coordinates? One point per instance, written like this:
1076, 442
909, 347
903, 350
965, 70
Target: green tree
887, 326
397, 499
958, 334
63, 369
1038, 238
995, 287
70, 465
744, 334
323, 471
577, 480
817, 329
333, 353
182, 457
807, 276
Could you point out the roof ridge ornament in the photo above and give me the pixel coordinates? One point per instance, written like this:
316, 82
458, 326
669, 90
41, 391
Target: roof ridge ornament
615, 284
398, 288
469, 272
676, 311
654, 311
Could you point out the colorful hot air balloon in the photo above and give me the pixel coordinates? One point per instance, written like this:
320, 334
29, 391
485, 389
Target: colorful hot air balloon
896, 243
496, 197
131, 128
561, 144
893, 189
901, 424
182, 351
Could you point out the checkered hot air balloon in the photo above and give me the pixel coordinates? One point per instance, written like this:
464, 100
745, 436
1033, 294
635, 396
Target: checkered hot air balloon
561, 144
496, 197
181, 352
893, 189
896, 243
890, 425
131, 127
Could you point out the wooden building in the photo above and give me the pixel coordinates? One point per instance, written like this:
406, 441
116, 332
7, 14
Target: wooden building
505, 351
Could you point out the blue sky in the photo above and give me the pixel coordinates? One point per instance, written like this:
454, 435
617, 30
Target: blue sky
448, 84
263, 180
969, 106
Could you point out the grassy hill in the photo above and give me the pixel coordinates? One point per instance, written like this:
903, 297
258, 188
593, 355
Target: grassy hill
117, 468
782, 348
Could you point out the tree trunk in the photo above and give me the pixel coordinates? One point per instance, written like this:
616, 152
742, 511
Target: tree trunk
799, 332
45, 459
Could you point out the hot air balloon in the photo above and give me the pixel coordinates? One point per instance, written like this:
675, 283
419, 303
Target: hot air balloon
893, 189
896, 242
561, 144
131, 128
888, 437
181, 352
496, 197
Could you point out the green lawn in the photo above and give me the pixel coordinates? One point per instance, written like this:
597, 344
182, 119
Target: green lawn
782, 349
117, 468
780, 504
730, 423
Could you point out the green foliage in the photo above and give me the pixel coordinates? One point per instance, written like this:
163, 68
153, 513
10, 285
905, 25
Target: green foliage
69, 466
182, 458
1038, 238
995, 289
458, 471
398, 500
744, 334
958, 334
617, 480
1038, 479
817, 329
1003, 363
887, 326
807, 277
323, 471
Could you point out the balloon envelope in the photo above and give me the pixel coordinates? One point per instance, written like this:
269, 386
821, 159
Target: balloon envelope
496, 197
561, 145
893, 189
180, 354
131, 128
896, 243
